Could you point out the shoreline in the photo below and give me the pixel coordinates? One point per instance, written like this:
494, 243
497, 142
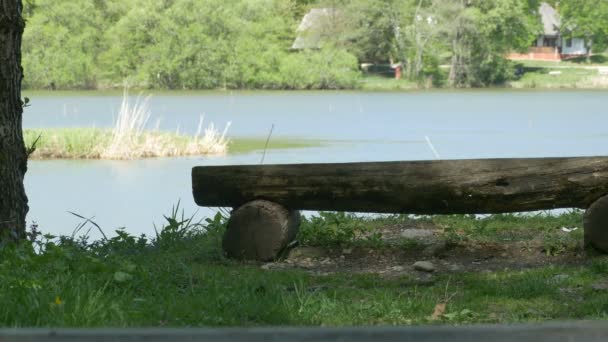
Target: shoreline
248, 92
535, 75
161, 92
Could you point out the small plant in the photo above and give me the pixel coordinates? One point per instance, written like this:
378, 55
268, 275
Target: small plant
556, 242
454, 235
177, 228
337, 229
462, 316
218, 223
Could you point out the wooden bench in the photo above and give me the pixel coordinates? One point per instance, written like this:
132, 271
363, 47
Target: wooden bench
267, 198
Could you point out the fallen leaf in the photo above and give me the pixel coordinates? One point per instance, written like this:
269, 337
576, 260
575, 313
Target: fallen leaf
439, 311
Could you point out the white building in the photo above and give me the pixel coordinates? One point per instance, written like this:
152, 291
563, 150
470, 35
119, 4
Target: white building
553, 43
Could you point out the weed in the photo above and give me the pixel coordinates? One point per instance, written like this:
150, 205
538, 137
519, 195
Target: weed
495, 228
338, 229
556, 242
177, 228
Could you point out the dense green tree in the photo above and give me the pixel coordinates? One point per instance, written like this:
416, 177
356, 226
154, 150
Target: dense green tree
191, 44
482, 33
62, 43
372, 29
473, 35
586, 19
426, 32
176, 44
127, 40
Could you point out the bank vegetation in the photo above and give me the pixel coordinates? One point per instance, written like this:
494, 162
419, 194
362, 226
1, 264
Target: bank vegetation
130, 138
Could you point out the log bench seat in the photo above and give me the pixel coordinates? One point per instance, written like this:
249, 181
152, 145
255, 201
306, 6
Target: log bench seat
266, 198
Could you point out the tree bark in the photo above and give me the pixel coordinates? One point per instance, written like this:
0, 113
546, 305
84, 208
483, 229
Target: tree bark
420, 187
13, 155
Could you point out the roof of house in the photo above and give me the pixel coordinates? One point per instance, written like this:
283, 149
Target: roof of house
550, 18
314, 24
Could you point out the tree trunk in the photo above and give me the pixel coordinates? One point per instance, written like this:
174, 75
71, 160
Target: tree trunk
589, 51
475, 186
13, 155
419, 62
454, 75
409, 71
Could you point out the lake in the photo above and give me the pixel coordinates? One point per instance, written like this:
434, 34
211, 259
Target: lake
356, 126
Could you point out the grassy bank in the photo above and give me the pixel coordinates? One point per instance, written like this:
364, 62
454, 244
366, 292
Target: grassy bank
130, 138
246, 145
547, 77
531, 74
568, 74
95, 143
534, 75
347, 271
381, 83
91, 143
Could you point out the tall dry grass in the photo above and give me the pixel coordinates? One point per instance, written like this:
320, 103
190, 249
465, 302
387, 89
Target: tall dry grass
130, 138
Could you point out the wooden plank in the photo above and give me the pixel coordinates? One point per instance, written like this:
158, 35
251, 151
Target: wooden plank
414, 187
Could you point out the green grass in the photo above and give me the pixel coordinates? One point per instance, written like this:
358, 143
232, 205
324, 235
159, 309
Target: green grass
128, 139
575, 73
539, 77
89, 143
179, 278
379, 83
246, 145
67, 142
579, 62
343, 229
495, 228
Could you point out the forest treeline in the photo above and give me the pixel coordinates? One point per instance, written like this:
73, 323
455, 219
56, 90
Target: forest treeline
209, 44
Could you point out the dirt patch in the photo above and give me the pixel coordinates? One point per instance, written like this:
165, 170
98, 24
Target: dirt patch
404, 245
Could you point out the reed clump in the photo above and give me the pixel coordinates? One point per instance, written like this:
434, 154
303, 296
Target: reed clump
128, 139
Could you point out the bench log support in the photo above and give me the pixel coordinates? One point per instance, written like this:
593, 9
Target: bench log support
596, 225
477, 186
260, 230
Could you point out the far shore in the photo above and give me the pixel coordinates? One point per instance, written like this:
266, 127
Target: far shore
533, 75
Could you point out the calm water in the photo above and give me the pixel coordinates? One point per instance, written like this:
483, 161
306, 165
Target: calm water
359, 126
